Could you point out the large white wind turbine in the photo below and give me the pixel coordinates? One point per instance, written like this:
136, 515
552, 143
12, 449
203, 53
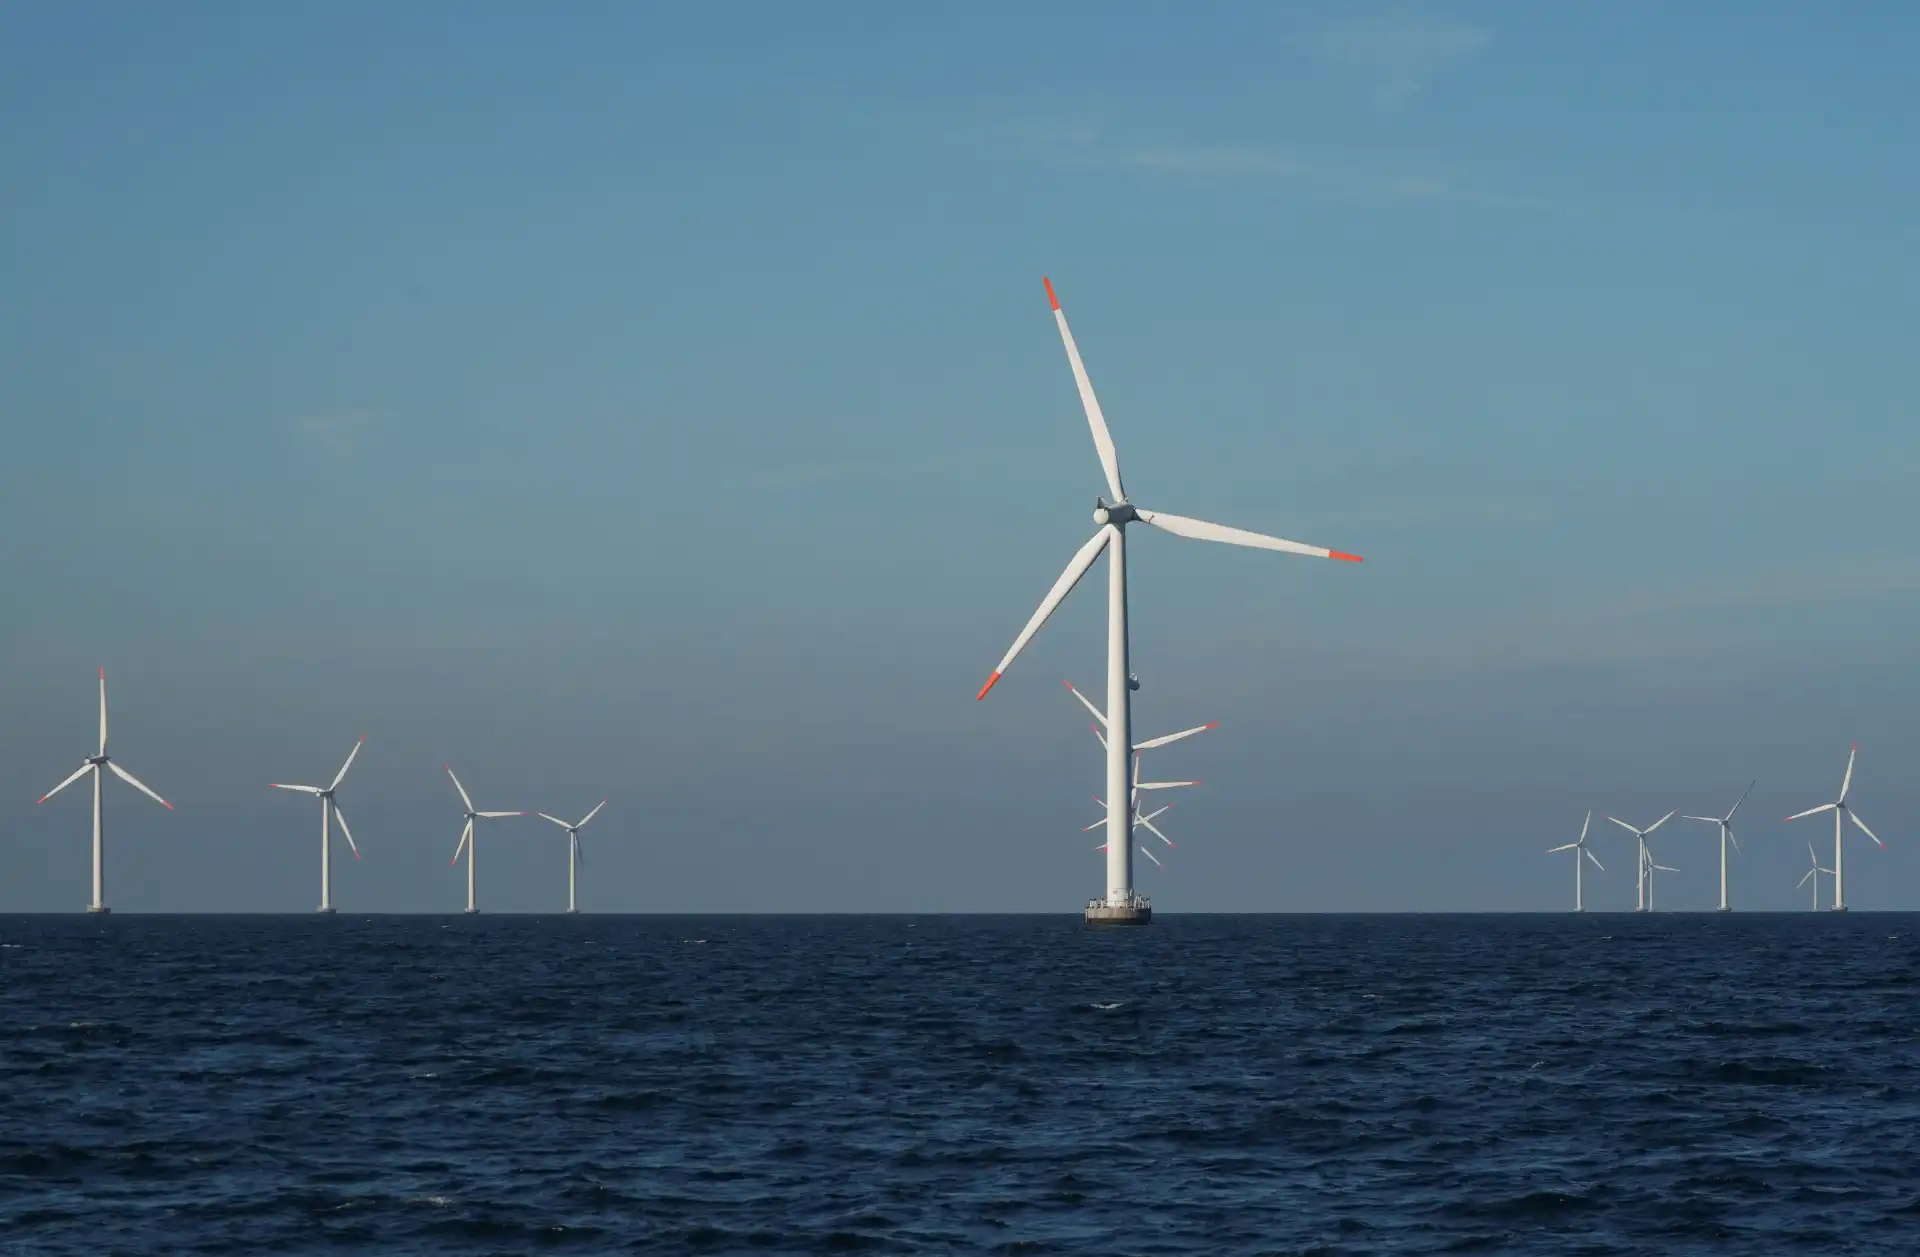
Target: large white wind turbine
468, 838
1580, 857
1651, 869
1121, 904
1839, 807
1726, 835
93, 764
1813, 873
574, 854
1643, 890
329, 806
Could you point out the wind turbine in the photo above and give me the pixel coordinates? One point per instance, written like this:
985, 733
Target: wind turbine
1121, 904
1726, 835
468, 837
93, 764
1642, 890
329, 805
1653, 868
1839, 807
573, 849
1813, 873
1579, 849
1139, 820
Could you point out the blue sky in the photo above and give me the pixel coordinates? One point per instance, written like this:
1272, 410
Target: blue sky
662, 404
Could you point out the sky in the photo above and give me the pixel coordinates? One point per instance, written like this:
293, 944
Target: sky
661, 404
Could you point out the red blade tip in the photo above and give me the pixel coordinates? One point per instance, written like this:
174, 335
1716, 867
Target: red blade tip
991, 682
103, 674
1345, 557
1214, 725
1050, 297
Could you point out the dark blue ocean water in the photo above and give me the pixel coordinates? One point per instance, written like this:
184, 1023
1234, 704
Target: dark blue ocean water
1540, 1085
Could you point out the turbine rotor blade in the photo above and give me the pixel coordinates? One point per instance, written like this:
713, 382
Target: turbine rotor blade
1657, 824
466, 833
1814, 811
1596, 859
555, 819
347, 833
1567, 847
1087, 703
136, 783
1844, 781
78, 773
1201, 530
103, 711
274, 785
590, 815
1076, 568
342, 775
1584, 824
1099, 824
1803, 880
1155, 813
1151, 856
1153, 829
1622, 824
1163, 785
1742, 799
1863, 829
1166, 738
1096, 421
462, 789
499, 814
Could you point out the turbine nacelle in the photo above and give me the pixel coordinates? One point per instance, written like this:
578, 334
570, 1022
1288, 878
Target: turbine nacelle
1119, 515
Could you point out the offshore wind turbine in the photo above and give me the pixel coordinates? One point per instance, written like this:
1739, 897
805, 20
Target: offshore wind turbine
1813, 873
1579, 849
93, 764
1726, 835
1839, 807
574, 854
1120, 904
330, 806
1651, 869
1643, 890
468, 837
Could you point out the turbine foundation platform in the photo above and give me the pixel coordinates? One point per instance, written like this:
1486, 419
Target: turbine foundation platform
325, 912
1839, 907
1723, 909
99, 908
1100, 912
473, 912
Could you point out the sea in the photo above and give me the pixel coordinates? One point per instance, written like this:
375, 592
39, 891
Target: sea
1665, 1084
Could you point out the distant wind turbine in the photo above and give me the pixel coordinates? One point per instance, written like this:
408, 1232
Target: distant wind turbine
1651, 869
329, 805
1642, 890
1839, 807
468, 836
1579, 849
93, 764
1813, 874
574, 855
1120, 904
1726, 835
1140, 819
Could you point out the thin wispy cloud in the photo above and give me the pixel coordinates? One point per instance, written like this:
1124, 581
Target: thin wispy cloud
1396, 55
338, 431
1079, 144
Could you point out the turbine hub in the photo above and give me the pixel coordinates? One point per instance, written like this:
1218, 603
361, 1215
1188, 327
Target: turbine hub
1120, 513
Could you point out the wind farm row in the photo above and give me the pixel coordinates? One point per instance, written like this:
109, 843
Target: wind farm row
1646, 866
330, 814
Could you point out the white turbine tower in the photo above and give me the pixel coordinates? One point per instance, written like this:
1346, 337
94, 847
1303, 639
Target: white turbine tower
1813, 873
1121, 904
1580, 857
573, 850
93, 764
1651, 869
1839, 807
1643, 890
329, 806
1726, 835
469, 838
